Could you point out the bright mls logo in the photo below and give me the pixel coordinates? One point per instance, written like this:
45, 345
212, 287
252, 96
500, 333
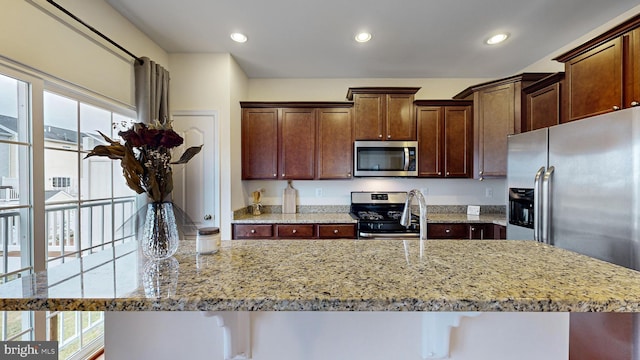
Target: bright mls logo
31, 350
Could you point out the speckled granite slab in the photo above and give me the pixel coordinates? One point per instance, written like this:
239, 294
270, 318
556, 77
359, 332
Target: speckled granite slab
340, 275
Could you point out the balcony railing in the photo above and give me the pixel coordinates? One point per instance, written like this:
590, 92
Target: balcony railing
100, 227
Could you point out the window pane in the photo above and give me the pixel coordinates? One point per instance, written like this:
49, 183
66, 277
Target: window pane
92, 120
95, 228
13, 231
14, 117
14, 175
120, 188
61, 228
60, 122
60, 174
14, 323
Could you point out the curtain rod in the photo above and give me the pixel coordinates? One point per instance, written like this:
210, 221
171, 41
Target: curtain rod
139, 60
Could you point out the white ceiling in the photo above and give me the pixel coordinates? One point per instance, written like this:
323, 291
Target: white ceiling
411, 38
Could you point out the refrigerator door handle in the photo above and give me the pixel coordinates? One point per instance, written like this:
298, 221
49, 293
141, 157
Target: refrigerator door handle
537, 206
546, 206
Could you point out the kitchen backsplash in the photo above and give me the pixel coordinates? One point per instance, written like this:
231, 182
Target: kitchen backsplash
326, 209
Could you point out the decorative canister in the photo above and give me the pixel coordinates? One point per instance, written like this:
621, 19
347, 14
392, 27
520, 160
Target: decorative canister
208, 240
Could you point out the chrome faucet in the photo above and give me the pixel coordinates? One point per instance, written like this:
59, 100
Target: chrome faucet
405, 220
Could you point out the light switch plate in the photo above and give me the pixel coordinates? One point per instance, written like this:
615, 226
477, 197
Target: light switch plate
473, 210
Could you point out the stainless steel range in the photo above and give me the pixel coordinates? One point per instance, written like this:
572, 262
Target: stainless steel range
378, 215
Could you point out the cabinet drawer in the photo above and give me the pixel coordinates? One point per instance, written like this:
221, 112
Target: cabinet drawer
295, 231
252, 231
334, 231
447, 231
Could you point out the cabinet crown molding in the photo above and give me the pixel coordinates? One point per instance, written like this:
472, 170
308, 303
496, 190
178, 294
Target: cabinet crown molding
381, 90
608, 35
524, 77
295, 104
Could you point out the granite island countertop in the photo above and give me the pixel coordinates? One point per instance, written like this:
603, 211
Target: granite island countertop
334, 275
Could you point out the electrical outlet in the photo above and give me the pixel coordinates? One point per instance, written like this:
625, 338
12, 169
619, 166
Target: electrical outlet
488, 192
319, 192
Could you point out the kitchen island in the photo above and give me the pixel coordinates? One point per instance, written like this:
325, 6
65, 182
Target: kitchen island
335, 275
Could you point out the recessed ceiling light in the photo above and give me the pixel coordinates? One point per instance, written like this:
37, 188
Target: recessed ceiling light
496, 39
363, 37
239, 37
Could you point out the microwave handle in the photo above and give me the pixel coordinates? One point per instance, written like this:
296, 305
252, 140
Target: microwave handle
406, 159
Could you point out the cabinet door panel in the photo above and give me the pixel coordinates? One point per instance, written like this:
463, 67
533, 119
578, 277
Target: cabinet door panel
369, 112
335, 144
297, 144
543, 108
632, 68
496, 121
595, 81
457, 141
259, 143
401, 124
429, 140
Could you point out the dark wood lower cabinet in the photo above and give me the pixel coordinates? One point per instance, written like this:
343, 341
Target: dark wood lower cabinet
453, 231
602, 336
462, 231
293, 231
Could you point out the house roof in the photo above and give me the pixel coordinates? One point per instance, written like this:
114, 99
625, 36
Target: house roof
9, 127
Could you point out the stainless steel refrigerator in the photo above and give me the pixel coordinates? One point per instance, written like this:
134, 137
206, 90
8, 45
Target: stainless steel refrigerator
577, 186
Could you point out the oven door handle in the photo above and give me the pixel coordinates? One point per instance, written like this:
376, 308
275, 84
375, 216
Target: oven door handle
368, 235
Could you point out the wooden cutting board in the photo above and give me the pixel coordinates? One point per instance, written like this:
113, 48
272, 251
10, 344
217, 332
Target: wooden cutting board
289, 199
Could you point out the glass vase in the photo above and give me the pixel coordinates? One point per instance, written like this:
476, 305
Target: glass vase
160, 235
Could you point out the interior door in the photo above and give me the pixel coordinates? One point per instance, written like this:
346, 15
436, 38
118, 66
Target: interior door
195, 184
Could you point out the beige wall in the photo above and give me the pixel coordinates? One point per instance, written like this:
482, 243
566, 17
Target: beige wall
39, 36
214, 82
336, 89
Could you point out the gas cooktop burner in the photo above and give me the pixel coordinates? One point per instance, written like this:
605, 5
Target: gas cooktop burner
395, 215
369, 215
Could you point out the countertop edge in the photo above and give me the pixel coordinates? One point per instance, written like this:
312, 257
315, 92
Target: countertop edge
326, 305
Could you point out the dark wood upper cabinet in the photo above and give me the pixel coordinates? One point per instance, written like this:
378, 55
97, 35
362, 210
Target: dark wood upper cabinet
383, 113
497, 107
603, 74
259, 143
335, 143
444, 137
296, 140
544, 103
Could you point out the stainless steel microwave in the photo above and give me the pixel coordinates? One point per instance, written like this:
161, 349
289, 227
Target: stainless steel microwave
385, 158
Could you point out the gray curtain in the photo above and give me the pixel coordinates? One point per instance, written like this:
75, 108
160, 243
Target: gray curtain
152, 91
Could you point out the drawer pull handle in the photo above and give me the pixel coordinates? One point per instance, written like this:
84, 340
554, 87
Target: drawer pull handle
616, 108
335, 231
294, 231
447, 230
253, 231
635, 103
